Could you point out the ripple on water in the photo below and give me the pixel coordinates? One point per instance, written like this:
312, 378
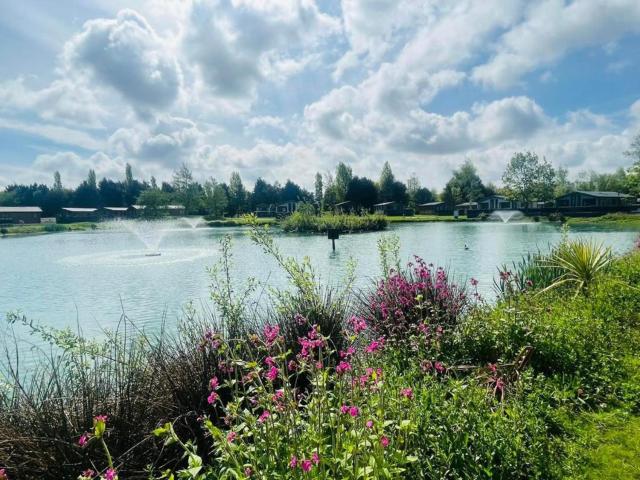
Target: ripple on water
135, 258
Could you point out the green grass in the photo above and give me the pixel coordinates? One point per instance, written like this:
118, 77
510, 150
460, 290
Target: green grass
35, 229
240, 222
609, 447
611, 219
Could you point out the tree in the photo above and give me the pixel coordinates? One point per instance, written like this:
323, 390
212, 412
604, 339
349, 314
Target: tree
330, 196
318, 196
362, 193
465, 186
632, 180
422, 195
527, 178
57, 181
86, 194
215, 198
344, 174
264, 194
128, 175
563, 184
237, 195
385, 184
154, 183
153, 200
187, 190
112, 193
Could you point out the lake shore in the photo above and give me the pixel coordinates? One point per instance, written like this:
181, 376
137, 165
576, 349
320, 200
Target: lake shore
45, 228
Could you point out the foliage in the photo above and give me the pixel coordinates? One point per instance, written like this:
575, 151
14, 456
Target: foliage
465, 185
527, 178
305, 222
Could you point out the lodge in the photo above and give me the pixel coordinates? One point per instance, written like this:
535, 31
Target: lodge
110, 213
580, 198
433, 208
389, 208
20, 215
76, 214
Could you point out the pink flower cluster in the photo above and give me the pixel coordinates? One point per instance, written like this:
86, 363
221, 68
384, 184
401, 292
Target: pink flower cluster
271, 334
304, 464
310, 342
213, 396
350, 409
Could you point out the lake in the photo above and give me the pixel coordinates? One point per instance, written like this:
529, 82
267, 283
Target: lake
90, 278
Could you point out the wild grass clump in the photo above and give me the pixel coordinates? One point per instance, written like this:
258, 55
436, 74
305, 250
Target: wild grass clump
305, 222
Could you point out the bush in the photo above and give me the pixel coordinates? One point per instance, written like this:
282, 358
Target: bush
54, 227
306, 222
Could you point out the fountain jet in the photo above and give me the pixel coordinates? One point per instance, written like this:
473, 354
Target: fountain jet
505, 216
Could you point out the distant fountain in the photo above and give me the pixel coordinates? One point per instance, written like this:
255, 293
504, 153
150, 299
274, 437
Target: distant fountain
505, 216
150, 233
193, 222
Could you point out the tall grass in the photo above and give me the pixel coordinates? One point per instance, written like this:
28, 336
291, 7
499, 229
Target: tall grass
306, 222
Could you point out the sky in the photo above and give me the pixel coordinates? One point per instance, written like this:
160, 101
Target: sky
282, 89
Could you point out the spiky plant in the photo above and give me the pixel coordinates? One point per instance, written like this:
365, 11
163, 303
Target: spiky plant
580, 263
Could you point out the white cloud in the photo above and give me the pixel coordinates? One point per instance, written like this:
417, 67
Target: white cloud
55, 133
552, 29
126, 54
74, 168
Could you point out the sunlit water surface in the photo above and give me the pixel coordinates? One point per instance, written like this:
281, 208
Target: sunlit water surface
91, 278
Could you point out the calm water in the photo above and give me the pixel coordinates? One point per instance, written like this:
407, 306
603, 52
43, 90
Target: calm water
91, 277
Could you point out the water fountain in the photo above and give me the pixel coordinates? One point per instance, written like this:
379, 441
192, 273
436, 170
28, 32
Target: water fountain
150, 233
505, 216
192, 221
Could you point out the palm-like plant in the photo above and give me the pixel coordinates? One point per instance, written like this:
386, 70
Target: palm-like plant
580, 262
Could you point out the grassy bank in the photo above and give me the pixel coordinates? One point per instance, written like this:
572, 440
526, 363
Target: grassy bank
240, 222
625, 220
415, 377
32, 229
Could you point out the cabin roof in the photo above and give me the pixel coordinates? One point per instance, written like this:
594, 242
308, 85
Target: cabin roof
79, 210
598, 194
383, 204
467, 204
20, 210
116, 209
431, 204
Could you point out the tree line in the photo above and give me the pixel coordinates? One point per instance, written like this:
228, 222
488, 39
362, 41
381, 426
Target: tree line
527, 178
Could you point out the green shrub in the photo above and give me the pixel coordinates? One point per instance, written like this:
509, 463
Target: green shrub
305, 222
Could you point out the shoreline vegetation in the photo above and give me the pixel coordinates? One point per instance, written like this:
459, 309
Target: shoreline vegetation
414, 377
319, 224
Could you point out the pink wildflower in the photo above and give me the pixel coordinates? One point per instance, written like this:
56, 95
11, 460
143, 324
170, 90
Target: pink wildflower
214, 383
369, 424
375, 345
343, 367
231, 436
248, 472
407, 393
384, 441
212, 398
100, 418
110, 474
315, 458
271, 334
272, 374
3, 474
263, 416
293, 463
439, 367
354, 411
86, 475
347, 353
306, 465
84, 439
344, 409
300, 319
358, 324
292, 366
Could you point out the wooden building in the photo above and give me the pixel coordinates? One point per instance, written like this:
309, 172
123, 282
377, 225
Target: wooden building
584, 199
433, 208
109, 213
20, 215
76, 214
393, 209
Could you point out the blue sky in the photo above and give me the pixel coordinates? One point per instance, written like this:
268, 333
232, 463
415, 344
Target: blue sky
286, 88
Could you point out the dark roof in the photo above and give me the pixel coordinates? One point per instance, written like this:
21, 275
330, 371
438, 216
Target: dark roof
467, 204
501, 197
431, 204
599, 194
20, 210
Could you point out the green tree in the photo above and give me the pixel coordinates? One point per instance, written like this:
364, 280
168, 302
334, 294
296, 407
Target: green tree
632, 180
385, 184
362, 193
186, 189
464, 186
413, 187
153, 200
318, 196
330, 196
154, 183
344, 174
528, 178
57, 181
563, 184
215, 198
237, 195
